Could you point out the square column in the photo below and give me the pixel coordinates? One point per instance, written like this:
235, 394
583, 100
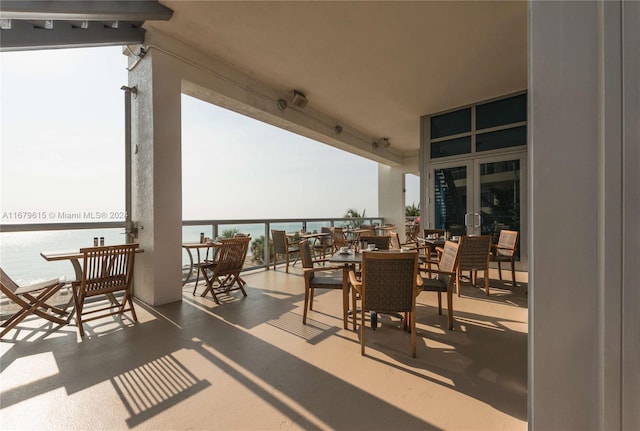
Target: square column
157, 178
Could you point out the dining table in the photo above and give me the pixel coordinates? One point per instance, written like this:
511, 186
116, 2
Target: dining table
197, 246
73, 256
348, 260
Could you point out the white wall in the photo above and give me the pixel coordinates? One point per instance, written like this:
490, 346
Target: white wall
583, 299
391, 197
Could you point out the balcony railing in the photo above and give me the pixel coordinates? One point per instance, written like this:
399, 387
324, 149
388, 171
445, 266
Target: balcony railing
21, 244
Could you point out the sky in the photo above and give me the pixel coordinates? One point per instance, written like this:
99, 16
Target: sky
62, 151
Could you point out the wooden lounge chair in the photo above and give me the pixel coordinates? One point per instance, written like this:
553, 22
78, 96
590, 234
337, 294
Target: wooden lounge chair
389, 284
226, 270
106, 270
31, 299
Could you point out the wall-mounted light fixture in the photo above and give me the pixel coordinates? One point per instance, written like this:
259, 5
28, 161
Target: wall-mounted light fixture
338, 129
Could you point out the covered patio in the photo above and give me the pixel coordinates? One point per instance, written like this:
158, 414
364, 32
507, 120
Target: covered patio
249, 363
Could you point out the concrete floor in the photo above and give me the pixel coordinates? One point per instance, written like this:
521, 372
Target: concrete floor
250, 364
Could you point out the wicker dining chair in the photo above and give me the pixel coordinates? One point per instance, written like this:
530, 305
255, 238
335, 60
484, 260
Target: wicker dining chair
226, 270
31, 300
106, 270
505, 251
317, 277
388, 284
381, 242
281, 247
445, 277
474, 257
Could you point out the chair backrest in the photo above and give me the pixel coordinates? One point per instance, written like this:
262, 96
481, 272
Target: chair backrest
507, 243
232, 255
381, 242
395, 240
338, 238
279, 238
474, 252
7, 282
448, 261
305, 254
389, 281
107, 269
326, 239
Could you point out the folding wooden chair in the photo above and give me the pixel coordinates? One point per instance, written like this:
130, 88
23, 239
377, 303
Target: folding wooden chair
31, 299
106, 270
226, 270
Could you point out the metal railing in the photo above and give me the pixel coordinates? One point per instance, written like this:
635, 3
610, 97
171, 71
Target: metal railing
213, 228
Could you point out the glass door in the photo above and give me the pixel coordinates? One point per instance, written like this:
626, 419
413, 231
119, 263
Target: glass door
450, 197
480, 197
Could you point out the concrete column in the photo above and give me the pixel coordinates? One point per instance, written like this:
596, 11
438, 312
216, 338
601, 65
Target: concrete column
391, 196
577, 219
157, 179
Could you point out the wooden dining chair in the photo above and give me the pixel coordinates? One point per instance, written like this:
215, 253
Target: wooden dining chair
106, 271
474, 257
338, 238
317, 277
281, 247
226, 270
389, 283
442, 276
505, 251
31, 300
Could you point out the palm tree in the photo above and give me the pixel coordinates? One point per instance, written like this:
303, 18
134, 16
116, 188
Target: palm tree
351, 213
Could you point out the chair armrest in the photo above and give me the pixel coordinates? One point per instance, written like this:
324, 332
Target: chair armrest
436, 271
322, 268
354, 280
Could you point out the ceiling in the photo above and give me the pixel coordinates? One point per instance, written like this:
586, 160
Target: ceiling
376, 66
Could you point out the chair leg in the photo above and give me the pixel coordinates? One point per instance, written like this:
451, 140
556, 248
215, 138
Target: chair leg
513, 273
439, 303
79, 304
362, 331
412, 317
450, 307
306, 305
486, 280
311, 298
499, 271
458, 282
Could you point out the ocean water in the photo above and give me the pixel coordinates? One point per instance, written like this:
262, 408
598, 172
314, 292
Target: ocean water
20, 251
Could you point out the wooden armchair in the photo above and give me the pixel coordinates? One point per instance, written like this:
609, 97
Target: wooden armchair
389, 284
226, 270
505, 251
281, 247
106, 271
31, 299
